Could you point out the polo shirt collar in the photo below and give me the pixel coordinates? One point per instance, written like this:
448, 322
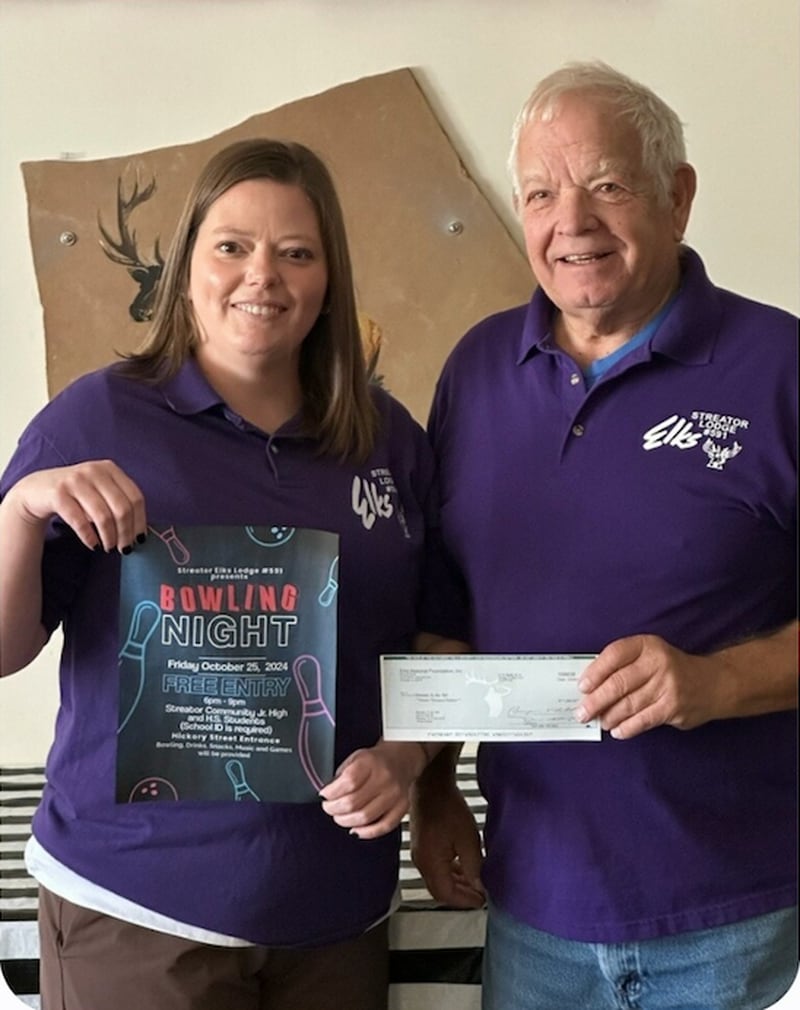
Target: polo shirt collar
536, 327
688, 334
188, 391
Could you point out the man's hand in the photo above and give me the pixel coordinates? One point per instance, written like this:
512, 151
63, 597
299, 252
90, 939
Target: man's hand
446, 845
641, 682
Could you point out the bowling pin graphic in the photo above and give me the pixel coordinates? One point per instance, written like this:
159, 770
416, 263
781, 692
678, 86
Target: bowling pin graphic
313, 736
328, 593
241, 790
144, 621
177, 549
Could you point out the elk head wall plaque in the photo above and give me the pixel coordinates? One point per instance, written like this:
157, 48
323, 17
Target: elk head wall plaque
430, 255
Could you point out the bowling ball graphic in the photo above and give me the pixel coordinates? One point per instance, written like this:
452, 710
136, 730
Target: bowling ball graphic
153, 790
270, 536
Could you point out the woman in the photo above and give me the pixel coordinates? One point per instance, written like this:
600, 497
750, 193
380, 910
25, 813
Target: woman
248, 404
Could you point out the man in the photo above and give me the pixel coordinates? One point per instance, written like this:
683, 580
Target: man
618, 476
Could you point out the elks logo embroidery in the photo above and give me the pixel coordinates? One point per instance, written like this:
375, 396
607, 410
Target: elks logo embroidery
375, 497
713, 430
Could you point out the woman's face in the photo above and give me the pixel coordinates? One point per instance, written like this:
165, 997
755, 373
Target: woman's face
258, 277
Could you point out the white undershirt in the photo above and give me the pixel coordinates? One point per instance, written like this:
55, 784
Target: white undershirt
67, 884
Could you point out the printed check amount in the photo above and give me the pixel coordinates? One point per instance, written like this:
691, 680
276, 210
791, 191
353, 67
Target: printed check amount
483, 697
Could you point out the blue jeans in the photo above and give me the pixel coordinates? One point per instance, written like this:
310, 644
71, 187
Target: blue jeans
745, 966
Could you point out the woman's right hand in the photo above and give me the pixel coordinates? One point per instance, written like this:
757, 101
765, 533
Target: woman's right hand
96, 499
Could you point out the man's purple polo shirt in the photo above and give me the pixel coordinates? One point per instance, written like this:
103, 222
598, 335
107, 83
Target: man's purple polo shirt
275, 874
661, 501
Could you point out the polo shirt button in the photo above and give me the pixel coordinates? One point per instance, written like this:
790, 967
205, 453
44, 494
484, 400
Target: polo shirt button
574, 379
578, 430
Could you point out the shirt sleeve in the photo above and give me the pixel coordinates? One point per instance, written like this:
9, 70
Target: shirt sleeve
444, 599
65, 560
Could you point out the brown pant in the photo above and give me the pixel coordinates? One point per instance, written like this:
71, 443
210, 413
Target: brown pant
91, 961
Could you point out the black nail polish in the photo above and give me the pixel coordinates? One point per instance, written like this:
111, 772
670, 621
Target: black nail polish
141, 537
127, 550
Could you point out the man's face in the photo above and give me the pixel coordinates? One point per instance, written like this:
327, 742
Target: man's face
599, 243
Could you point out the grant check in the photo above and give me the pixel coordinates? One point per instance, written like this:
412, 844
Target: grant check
483, 697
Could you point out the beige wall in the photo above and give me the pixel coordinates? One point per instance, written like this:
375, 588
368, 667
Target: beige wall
101, 79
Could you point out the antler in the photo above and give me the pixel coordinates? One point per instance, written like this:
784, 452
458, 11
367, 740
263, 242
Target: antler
472, 679
123, 250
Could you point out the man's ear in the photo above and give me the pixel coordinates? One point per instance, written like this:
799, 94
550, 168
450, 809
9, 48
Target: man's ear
684, 187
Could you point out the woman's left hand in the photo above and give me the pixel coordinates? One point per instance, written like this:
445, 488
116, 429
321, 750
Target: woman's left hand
369, 794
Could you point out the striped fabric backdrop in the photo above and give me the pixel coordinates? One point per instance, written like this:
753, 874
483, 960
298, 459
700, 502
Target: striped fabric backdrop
435, 952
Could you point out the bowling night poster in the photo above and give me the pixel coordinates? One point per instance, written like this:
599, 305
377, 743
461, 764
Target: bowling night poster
227, 664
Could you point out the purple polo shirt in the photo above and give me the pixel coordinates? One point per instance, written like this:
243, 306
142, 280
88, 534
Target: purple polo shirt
661, 501
275, 874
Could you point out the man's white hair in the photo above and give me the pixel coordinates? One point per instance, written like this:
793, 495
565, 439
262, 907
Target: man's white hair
658, 127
